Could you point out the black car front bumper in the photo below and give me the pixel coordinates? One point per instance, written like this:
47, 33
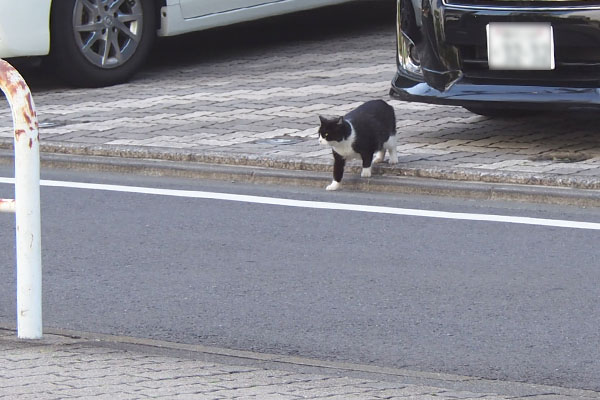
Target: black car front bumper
442, 54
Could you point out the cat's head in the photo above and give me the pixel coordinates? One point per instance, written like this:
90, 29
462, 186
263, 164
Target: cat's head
332, 129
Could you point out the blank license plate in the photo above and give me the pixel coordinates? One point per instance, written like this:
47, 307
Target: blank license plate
520, 46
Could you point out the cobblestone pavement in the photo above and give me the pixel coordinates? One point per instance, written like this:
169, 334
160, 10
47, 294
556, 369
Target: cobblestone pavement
104, 367
257, 104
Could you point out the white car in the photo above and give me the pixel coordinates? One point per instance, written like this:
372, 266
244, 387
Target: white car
103, 42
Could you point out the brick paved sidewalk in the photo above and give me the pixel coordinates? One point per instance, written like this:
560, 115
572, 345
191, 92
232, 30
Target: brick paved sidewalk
258, 106
99, 367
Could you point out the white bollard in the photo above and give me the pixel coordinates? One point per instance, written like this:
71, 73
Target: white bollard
27, 202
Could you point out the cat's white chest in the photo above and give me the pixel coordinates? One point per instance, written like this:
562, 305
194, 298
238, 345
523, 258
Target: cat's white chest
344, 148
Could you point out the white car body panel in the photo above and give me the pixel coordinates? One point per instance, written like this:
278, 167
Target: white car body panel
195, 8
24, 28
25, 24
183, 16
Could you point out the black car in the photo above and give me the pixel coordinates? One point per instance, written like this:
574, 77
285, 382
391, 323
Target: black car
497, 57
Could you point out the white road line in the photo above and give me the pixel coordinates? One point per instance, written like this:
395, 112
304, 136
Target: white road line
320, 204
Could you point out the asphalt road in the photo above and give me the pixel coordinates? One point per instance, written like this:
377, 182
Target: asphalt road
488, 299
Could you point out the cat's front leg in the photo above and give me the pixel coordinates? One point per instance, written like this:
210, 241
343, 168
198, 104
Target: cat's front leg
333, 186
367, 161
338, 172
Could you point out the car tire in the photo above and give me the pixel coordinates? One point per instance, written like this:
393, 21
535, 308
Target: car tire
498, 112
99, 42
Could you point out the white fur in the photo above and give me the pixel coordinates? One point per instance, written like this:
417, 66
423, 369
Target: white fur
343, 148
390, 146
333, 186
379, 156
366, 172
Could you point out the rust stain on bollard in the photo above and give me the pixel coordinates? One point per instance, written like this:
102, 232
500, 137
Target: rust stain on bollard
15, 87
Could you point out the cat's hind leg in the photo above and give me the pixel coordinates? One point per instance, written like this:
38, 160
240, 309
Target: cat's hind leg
379, 156
390, 145
367, 161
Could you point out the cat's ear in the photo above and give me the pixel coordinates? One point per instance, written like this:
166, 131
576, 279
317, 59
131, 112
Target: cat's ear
339, 121
323, 120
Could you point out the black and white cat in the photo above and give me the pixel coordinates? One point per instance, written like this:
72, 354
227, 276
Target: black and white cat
364, 132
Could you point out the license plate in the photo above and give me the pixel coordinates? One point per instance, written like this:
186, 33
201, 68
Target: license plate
520, 46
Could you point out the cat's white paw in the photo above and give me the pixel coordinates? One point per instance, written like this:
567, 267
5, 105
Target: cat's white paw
393, 159
333, 186
379, 156
366, 172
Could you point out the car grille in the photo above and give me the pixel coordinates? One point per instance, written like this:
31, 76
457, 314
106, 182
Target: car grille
576, 54
575, 66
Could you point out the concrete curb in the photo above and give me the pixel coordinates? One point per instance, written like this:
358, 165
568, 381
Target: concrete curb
253, 170
62, 337
249, 160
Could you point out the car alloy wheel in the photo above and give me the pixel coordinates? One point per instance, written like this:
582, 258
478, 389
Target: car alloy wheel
101, 42
108, 32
